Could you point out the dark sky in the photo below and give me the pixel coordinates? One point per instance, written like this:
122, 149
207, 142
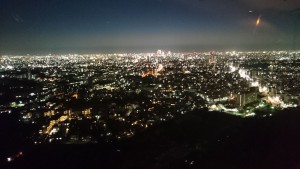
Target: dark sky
89, 26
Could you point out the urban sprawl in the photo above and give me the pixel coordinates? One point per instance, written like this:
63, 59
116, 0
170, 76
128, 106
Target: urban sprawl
104, 97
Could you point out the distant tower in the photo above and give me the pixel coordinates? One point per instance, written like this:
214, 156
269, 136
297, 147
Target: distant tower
241, 99
159, 52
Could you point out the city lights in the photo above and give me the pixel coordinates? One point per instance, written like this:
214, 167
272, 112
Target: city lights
64, 94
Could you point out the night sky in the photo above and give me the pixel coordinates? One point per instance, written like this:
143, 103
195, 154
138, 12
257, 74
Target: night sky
89, 26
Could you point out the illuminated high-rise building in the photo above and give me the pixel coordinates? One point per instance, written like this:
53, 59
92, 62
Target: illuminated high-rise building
159, 52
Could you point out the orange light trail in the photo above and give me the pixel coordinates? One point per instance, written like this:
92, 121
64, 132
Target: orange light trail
258, 21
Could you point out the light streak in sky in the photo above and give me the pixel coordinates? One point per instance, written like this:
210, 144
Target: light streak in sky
258, 21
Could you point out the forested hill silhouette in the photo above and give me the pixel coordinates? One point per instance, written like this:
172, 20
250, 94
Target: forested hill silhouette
199, 139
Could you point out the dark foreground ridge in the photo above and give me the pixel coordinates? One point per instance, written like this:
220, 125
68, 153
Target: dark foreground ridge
199, 139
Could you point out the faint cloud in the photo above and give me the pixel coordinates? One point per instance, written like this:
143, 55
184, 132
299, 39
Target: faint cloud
17, 18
